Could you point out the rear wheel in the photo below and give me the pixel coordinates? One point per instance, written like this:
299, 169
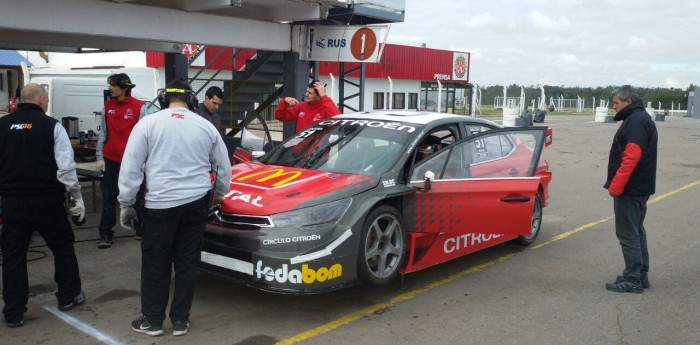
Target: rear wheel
382, 249
535, 224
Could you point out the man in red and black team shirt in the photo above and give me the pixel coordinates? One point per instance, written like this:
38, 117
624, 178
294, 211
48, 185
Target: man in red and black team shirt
317, 106
631, 180
119, 117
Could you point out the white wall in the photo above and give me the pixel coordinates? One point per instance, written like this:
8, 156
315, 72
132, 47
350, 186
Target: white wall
373, 85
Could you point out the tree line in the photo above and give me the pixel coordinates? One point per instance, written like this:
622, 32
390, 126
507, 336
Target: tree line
666, 96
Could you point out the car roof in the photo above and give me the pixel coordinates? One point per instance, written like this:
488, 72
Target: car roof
410, 116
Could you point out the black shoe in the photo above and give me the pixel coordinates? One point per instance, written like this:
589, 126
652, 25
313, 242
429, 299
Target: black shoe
180, 327
105, 242
77, 300
14, 322
622, 284
645, 281
142, 325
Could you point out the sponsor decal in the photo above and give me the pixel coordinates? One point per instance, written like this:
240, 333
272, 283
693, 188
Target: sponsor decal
465, 241
177, 116
192, 51
397, 126
128, 114
389, 183
306, 275
294, 239
331, 43
238, 195
305, 133
277, 177
111, 111
460, 66
415, 141
20, 126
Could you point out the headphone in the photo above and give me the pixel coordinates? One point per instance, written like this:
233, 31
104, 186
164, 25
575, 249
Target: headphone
190, 98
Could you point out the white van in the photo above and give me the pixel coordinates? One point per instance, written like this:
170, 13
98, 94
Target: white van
81, 92
78, 97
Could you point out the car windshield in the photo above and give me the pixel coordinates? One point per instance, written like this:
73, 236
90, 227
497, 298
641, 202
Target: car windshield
366, 147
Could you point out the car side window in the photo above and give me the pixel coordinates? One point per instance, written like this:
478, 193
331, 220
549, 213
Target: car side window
458, 165
435, 163
490, 148
475, 129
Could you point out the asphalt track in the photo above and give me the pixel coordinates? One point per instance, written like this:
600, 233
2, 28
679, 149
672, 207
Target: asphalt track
549, 293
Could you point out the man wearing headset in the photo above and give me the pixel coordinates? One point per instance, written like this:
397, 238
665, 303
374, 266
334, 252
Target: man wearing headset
175, 151
317, 106
120, 114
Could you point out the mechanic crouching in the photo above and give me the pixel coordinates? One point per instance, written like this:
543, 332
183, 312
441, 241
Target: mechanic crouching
36, 168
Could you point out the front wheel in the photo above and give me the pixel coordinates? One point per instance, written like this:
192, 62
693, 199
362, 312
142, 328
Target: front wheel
382, 249
535, 224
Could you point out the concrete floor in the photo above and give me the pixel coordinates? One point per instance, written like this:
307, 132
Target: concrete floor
549, 293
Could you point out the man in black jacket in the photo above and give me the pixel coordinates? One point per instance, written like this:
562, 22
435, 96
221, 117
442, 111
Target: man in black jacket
37, 167
631, 180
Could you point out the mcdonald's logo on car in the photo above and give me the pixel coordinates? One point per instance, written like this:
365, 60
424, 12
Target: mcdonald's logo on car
282, 177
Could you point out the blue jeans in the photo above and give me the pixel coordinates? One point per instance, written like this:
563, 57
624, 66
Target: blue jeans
170, 237
629, 228
45, 214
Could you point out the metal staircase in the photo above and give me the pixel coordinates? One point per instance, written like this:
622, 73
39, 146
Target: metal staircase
255, 88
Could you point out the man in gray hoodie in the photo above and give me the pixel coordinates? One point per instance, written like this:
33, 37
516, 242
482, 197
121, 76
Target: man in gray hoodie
176, 151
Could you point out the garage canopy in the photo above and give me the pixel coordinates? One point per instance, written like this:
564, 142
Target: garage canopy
162, 25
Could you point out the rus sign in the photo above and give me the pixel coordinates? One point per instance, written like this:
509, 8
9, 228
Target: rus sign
345, 43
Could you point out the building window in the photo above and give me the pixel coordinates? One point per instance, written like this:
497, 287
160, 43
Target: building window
398, 101
378, 100
413, 100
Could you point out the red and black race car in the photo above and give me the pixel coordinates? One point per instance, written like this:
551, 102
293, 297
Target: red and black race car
365, 197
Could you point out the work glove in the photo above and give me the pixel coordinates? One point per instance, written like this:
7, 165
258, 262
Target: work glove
78, 209
101, 165
128, 218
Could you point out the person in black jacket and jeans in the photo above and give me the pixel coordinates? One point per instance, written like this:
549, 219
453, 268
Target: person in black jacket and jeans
631, 180
36, 169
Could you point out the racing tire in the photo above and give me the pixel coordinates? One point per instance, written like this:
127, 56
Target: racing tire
535, 224
382, 250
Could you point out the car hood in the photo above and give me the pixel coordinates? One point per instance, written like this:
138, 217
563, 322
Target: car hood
260, 189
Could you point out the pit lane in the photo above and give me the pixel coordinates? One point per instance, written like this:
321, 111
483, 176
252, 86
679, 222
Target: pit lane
551, 292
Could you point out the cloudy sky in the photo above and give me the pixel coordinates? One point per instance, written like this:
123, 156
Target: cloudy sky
650, 43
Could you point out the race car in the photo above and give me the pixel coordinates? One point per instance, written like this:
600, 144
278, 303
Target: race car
367, 196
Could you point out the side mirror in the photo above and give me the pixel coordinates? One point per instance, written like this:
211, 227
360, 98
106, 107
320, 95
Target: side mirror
429, 176
258, 154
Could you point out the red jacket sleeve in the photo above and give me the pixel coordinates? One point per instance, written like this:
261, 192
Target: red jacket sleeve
284, 113
329, 107
630, 157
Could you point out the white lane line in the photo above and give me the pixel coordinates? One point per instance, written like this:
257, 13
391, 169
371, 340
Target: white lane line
83, 327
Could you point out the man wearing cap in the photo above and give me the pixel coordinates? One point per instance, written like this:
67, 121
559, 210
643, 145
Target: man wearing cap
120, 114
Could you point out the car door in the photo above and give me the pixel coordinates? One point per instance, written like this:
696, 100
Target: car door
483, 184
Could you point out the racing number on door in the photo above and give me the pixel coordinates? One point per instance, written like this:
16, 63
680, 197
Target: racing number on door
363, 44
480, 146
